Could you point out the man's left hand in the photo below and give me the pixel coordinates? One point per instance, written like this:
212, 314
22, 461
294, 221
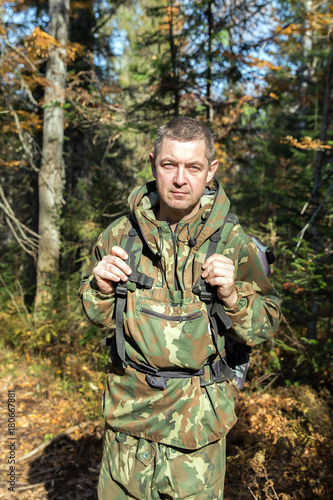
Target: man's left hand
219, 271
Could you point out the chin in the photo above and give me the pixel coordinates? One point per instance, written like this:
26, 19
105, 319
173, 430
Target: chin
179, 206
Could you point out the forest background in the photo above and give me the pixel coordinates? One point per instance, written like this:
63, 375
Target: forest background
84, 87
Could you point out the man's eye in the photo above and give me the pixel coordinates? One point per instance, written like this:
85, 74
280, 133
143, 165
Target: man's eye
194, 168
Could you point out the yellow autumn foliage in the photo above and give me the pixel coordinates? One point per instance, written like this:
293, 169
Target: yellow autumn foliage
306, 143
39, 44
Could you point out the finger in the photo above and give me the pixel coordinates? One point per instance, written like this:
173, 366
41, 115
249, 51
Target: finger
105, 286
119, 252
113, 271
120, 264
219, 269
112, 268
222, 282
216, 257
111, 260
111, 274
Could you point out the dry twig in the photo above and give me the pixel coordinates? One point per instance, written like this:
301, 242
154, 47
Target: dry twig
56, 438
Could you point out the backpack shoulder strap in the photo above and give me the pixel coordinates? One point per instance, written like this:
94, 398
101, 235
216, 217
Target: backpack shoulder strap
130, 235
201, 288
218, 317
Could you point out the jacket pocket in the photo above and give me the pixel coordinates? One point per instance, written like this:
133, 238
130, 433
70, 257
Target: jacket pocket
127, 458
171, 336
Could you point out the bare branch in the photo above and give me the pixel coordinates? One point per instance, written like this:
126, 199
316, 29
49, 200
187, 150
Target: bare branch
21, 54
25, 320
27, 90
108, 17
26, 147
28, 243
22, 299
252, 493
18, 239
325, 178
314, 215
111, 142
56, 438
9, 212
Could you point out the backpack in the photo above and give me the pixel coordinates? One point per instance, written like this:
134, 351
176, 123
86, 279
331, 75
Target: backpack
237, 354
236, 361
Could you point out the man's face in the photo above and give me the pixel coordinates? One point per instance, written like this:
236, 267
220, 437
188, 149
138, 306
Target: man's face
182, 171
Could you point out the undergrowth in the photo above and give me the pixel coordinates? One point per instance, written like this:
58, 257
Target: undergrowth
281, 447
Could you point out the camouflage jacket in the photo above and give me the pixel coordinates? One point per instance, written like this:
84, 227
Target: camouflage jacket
187, 414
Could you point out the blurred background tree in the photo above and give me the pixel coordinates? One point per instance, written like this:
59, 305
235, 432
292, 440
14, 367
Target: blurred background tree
258, 74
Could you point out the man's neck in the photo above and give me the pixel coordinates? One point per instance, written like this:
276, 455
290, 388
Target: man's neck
174, 219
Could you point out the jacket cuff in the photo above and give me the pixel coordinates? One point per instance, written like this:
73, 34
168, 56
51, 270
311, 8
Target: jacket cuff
244, 290
240, 305
92, 284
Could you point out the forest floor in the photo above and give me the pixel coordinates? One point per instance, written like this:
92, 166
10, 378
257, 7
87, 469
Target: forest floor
57, 439
57, 451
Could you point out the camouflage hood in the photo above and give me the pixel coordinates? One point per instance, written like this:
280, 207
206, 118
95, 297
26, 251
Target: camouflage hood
214, 208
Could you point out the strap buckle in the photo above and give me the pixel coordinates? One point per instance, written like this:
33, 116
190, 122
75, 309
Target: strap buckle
121, 290
219, 372
145, 281
205, 296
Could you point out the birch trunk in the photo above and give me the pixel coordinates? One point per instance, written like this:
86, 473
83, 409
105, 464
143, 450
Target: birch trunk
52, 171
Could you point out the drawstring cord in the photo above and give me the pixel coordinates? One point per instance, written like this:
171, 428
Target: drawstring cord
192, 241
186, 226
159, 255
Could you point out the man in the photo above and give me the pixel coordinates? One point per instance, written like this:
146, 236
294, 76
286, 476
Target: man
169, 399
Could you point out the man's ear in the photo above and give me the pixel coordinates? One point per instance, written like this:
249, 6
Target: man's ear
212, 169
152, 164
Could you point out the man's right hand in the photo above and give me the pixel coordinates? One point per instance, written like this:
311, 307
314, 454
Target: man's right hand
112, 269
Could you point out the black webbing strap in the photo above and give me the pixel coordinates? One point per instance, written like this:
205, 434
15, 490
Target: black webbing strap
218, 317
220, 371
216, 311
157, 379
201, 288
121, 294
140, 279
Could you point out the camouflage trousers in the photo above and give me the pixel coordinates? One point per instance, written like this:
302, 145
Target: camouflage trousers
140, 469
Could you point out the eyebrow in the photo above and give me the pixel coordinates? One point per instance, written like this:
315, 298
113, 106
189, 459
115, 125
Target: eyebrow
173, 160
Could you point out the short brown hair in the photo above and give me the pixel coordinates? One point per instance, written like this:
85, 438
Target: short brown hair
185, 129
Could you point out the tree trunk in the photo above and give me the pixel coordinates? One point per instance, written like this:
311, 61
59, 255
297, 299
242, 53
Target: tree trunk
174, 60
52, 171
209, 106
315, 309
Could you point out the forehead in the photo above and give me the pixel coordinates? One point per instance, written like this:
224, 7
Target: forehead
184, 151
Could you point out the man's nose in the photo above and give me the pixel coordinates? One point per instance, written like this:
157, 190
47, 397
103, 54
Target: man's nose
180, 176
